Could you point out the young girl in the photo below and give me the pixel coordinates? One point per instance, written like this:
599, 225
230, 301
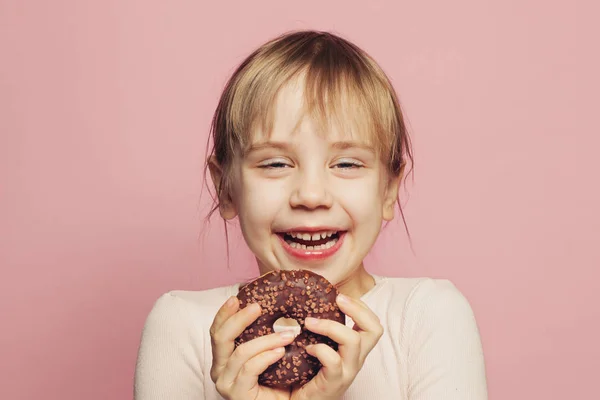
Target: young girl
309, 143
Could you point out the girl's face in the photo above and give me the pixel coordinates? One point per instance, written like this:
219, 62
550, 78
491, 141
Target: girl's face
310, 201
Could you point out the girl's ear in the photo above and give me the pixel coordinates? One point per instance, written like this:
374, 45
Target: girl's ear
226, 205
391, 195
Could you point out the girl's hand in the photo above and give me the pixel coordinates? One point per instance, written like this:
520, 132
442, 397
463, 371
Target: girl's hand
235, 371
340, 368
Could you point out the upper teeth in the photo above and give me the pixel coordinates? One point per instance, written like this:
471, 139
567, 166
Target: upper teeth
311, 236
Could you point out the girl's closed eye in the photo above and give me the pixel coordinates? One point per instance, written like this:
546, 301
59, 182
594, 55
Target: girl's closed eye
348, 164
343, 164
274, 164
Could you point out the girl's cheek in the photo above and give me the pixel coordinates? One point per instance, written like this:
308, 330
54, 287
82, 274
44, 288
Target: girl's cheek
262, 200
356, 191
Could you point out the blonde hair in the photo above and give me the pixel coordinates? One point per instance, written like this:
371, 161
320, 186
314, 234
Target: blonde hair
342, 83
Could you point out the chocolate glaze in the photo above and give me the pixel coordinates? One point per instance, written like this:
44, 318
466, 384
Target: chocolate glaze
293, 294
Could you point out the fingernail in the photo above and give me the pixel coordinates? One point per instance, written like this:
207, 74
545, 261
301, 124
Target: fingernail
279, 350
311, 321
343, 299
287, 335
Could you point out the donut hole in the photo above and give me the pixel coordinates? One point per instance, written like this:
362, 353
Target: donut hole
287, 324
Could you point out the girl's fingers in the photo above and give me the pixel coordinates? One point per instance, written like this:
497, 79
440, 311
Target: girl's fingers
223, 337
247, 377
349, 340
233, 326
367, 324
354, 343
332, 370
250, 350
227, 310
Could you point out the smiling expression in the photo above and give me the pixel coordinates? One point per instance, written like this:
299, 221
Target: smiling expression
308, 199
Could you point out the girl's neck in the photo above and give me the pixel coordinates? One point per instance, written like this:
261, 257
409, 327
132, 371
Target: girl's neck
357, 284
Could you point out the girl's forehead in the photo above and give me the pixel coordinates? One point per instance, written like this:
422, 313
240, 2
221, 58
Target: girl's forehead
294, 114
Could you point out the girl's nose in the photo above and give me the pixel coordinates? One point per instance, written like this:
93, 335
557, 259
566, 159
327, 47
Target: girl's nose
311, 192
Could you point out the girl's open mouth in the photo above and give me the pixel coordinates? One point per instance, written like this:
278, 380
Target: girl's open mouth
311, 245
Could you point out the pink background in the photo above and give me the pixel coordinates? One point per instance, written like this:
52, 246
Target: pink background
104, 114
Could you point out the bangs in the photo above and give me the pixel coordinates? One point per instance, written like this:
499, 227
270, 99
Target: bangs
343, 91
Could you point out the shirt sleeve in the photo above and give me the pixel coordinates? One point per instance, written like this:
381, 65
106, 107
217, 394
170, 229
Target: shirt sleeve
445, 359
169, 360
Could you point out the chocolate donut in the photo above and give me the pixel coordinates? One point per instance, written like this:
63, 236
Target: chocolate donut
295, 294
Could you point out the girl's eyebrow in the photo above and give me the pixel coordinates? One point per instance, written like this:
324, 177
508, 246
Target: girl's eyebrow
343, 145
267, 145
340, 145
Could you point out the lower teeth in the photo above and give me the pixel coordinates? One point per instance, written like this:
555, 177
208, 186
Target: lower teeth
305, 247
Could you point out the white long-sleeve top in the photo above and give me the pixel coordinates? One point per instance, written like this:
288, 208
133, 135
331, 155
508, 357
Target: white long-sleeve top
430, 349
